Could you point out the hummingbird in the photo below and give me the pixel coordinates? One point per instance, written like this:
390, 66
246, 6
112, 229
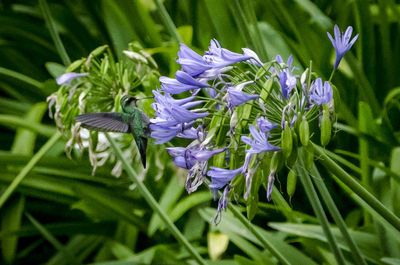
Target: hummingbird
130, 120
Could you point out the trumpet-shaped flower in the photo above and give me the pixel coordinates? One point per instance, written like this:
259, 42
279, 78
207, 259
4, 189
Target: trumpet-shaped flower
237, 97
183, 82
65, 79
260, 142
215, 58
264, 125
342, 43
321, 94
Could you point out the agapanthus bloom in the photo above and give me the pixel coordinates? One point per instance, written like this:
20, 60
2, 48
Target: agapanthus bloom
221, 176
342, 42
215, 58
183, 82
222, 204
65, 79
264, 125
237, 97
260, 142
321, 94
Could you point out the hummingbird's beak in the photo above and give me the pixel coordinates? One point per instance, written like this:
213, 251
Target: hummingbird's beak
143, 98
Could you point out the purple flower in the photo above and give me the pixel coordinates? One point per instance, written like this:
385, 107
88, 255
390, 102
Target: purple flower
183, 82
191, 62
264, 125
173, 118
254, 57
222, 205
287, 82
260, 142
215, 58
237, 97
65, 79
220, 176
321, 94
342, 43
221, 57
187, 157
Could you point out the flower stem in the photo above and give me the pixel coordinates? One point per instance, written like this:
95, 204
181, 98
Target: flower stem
318, 210
330, 204
153, 203
267, 244
22, 174
356, 187
333, 72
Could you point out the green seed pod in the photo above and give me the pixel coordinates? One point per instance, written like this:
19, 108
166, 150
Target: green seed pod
275, 160
326, 128
308, 156
75, 65
99, 50
293, 155
287, 140
291, 182
304, 132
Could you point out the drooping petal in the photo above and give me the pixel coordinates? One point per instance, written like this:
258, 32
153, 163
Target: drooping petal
204, 155
221, 176
65, 79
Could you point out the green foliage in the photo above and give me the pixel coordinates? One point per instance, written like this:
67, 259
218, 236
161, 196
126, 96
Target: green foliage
54, 211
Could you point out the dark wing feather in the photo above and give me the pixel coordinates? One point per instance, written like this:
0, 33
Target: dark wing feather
104, 122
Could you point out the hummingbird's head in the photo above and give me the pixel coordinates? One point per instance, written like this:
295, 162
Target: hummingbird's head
126, 101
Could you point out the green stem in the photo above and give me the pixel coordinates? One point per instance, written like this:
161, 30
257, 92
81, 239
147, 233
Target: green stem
330, 204
333, 72
34, 160
318, 210
356, 187
267, 244
153, 203
168, 23
53, 32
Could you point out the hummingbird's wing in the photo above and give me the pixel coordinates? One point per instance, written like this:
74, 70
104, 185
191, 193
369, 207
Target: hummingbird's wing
104, 122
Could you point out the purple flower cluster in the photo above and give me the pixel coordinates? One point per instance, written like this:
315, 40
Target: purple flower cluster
179, 117
210, 83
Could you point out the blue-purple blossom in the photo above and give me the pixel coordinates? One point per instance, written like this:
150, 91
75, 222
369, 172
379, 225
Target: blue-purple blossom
187, 157
215, 58
342, 43
237, 97
221, 176
65, 79
287, 82
260, 142
173, 118
254, 57
264, 125
183, 82
321, 94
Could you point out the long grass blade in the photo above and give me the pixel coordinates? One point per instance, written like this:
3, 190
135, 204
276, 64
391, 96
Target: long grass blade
357, 188
330, 204
318, 210
53, 32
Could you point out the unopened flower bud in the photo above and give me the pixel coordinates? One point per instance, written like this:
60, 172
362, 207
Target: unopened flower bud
304, 132
326, 128
286, 140
291, 182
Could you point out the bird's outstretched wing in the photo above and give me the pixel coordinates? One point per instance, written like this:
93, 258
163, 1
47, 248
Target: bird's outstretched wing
104, 122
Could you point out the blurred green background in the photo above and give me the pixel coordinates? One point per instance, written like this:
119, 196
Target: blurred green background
60, 214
